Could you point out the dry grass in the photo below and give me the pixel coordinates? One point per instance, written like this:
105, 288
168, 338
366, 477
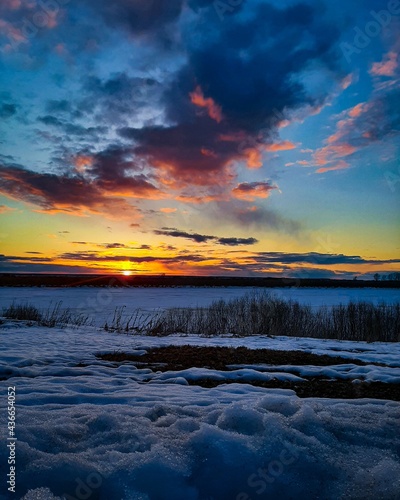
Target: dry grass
52, 317
264, 314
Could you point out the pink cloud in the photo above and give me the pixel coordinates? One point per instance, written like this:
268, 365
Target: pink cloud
331, 153
12, 4
387, 67
340, 165
347, 81
198, 99
357, 110
4, 209
249, 191
280, 146
168, 210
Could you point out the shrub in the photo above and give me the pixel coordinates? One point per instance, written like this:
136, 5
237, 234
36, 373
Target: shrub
52, 317
264, 314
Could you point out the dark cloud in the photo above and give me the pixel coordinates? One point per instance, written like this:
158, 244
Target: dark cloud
289, 265
58, 106
380, 119
96, 257
318, 258
236, 86
202, 238
233, 242
7, 110
117, 98
15, 258
100, 184
113, 245
139, 17
72, 128
198, 238
251, 190
258, 217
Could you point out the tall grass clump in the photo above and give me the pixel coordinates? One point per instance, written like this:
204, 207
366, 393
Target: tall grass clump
23, 312
139, 322
265, 314
52, 317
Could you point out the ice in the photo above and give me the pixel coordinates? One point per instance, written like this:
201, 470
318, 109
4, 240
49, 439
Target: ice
100, 303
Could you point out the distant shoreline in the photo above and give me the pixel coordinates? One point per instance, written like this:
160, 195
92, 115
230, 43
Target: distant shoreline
101, 280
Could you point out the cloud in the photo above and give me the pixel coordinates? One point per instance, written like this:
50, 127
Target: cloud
75, 194
5, 209
198, 238
12, 4
168, 210
213, 110
258, 217
280, 146
358, 128
249, 191
228, 99
202, 238
340, 165
237, 241
7, 110
387, 67
139, 17
297, 265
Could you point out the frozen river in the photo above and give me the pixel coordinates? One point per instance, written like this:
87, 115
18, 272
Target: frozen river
101, 302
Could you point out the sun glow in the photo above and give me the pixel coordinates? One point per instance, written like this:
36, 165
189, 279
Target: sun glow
127, 273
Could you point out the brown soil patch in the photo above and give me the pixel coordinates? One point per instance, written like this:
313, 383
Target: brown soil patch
176, 358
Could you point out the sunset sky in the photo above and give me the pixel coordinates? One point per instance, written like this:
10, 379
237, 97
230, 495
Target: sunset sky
224, 137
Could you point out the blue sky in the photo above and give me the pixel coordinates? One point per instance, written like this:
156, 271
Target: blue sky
199, 136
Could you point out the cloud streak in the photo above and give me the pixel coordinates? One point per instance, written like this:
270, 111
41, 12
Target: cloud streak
203, 238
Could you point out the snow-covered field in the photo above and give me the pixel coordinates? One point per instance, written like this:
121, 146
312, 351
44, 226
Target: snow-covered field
93, 429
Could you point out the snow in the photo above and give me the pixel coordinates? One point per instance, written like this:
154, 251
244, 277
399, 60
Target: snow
94, 429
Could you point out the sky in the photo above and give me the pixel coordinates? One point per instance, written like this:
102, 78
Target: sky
200, 137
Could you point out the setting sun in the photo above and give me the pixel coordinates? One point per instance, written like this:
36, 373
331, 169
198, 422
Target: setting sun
127, 273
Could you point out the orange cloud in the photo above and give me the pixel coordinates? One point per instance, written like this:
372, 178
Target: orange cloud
280, 146
341, 165
347, 81
253, 155
357, 110
387, 67
4, 209
198, 99
198, 200
331, 153
82, 161
253, 158
168, 210
208, 152
249, 191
